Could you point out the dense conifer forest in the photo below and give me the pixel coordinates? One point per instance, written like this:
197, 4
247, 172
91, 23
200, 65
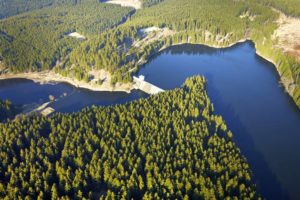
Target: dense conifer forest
144, 149
168, 146
7, 110
39, 40
188, 26
13, 7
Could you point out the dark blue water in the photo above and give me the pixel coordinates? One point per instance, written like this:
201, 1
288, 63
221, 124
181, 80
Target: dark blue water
70, 98
244, 89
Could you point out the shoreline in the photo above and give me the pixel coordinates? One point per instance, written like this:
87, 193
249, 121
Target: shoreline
46, 77
285, 83
143, 62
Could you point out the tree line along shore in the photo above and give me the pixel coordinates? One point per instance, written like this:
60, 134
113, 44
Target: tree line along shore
143, 150
110, 43
146, 149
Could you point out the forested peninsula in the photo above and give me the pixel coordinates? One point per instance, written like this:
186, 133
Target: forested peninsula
146, 149
7, 110
168, 146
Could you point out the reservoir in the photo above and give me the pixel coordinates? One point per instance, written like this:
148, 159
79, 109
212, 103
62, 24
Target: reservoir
244, 89
69, 98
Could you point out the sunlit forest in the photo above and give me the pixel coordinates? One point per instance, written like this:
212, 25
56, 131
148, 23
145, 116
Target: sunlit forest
144, 149
13, 7
171, 145
190, 25
37, 41
45, 45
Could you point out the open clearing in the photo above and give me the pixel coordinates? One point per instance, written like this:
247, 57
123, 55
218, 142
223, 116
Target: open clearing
152, 34
126, 3
77, 36
288, 35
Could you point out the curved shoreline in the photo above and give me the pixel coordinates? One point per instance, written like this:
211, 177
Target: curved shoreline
45, 77
285, 83
51, 77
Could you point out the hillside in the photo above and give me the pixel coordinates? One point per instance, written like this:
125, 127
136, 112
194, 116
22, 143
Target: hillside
212, 26
125, 48
289, 7
116, 51
14, 7
39, 40
122, 49
144, 149
171, 145
242, 20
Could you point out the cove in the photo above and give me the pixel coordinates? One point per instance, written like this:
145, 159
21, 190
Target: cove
244, 89
69, 98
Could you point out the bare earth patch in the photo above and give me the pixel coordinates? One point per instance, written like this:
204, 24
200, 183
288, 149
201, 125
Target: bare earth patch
152, 34
126, 3
93, 84
77, 36
248, 15
288, 35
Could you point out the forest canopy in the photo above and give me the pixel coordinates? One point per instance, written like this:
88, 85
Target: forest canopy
146, 149
7, 110
14, 7
38, 40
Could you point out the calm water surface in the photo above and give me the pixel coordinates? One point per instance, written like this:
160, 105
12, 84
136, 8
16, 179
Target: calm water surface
244, 89
22, 91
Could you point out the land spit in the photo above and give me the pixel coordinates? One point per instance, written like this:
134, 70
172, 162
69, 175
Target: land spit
45, 77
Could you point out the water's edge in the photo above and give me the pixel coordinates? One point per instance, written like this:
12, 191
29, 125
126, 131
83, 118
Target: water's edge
45, 77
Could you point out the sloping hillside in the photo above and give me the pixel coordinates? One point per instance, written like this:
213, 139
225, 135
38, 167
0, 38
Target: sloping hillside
217, 23
14, 7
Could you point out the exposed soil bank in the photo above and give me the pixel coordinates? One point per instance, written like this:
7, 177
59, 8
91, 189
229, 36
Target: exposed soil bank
288, 35
48, 77
126, 3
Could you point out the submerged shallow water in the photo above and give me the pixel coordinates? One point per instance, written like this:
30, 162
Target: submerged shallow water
69, 98
244, 89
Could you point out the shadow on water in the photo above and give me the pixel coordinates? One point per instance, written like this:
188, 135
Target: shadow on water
267, 183
196, 49
244, 90
193, 49
291, 102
